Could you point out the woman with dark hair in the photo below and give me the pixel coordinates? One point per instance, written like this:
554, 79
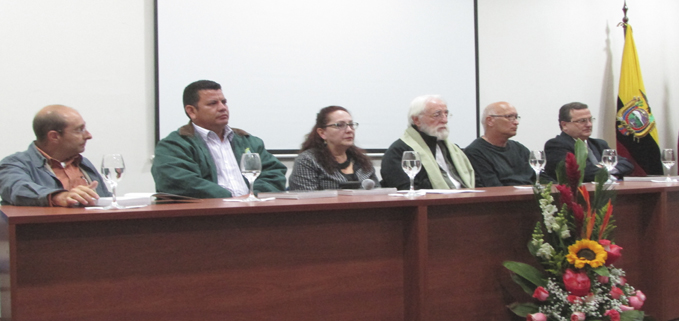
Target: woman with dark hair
328, 157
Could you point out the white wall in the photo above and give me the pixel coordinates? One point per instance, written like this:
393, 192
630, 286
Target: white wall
97, 56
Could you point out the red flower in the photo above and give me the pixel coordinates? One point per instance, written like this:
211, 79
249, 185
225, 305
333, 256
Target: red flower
579, 215
612, 250
536, 317
616, 293
572, 172
577, 283
613, 315
573, 299
607, 217
541, 294
566, 196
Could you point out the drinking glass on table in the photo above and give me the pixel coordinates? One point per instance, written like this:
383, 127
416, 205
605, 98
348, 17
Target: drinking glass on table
411, 164
251, 167
537, 162
668, 159
112, 168
609, 158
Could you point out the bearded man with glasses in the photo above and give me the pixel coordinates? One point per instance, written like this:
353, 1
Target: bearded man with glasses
576, 122
497, 160
444, 164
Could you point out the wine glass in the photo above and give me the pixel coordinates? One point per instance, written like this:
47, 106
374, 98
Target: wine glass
411, 164
251, 167
668, 159
609, 158
537, 162
112, 168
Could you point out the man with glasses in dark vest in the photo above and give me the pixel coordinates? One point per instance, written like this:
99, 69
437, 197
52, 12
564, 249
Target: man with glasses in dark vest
576, 121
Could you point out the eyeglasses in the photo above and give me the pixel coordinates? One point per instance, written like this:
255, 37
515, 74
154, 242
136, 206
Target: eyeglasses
440, 114
510, 117
583, 121
78, 130
342, 125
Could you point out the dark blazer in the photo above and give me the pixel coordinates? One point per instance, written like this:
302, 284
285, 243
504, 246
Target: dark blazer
557, 148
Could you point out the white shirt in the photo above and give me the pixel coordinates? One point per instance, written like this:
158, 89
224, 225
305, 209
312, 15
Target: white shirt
228, 172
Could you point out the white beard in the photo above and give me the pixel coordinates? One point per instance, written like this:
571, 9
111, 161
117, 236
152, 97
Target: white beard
439, 134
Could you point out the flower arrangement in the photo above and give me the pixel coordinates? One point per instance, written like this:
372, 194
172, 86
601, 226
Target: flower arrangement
574, 248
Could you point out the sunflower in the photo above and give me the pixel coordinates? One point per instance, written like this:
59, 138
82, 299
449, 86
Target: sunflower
586, 252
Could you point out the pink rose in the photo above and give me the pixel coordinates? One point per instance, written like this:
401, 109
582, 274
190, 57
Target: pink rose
573, 299
623, 281
602, 279
637, 301
536, 317
578, 316
613, 315
577, 283
612, 250
641, 295
616, 293
541, 294
625, 308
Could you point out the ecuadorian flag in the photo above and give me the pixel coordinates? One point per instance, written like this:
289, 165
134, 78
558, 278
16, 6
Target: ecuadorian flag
637, 136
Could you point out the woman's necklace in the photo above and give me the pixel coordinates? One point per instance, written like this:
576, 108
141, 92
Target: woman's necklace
346, 163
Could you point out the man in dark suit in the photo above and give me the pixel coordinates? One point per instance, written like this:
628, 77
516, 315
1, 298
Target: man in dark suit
576, 122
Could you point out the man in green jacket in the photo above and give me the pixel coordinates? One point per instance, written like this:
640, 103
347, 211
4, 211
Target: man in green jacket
201, 159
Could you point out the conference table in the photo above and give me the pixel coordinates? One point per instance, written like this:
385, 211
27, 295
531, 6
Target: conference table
375, 257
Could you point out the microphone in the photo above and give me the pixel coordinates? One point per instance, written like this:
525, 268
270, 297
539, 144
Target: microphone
368, 184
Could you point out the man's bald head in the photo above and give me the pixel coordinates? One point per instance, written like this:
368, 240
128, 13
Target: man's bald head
496, 108
52, 117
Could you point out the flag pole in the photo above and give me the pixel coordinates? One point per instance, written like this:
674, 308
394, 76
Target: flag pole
624, 18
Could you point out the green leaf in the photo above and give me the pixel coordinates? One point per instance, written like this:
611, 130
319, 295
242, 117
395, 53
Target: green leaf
561, 173
601, 177
581, 156
632, 315
527, 272
602, 270
526, 285
523, 309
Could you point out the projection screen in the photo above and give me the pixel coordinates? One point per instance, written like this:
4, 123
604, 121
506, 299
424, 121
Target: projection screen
280, 62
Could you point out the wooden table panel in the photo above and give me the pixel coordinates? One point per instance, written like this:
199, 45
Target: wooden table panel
257, 267
671, 268
437, 257
467, 245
